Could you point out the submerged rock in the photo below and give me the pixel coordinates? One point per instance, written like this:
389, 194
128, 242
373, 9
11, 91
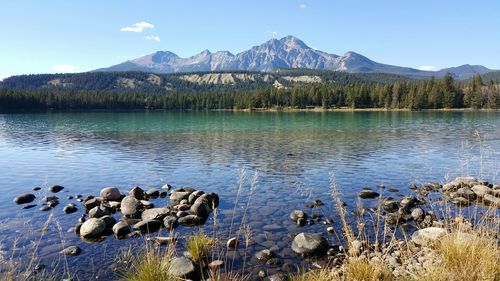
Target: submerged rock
24, 198
309, 244
71, 251
56, 188
298, 214
70, 208
368, 194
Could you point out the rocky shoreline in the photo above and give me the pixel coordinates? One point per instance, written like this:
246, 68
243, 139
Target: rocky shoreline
189, 207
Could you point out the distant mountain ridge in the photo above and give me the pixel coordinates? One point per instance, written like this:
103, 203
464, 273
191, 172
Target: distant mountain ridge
287, 52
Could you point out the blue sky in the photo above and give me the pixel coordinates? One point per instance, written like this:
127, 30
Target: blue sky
67, 36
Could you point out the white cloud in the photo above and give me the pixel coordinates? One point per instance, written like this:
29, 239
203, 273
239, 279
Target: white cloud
64, 68
153, 37
274, 33
427, 68
303, 6
137, 27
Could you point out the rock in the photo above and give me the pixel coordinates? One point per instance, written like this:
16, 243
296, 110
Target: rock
98, 212
181, 267
71, 251
232, 243
184, 202
195, 195
155, 213
91, 203
131, 207
190, 220
70, 208
368, 194
109, 221
449, 187
461, 201
417, 214
277, 277
92, 228
491, 200
114, 206
464, 181
50, 198
37, 188
153, 193
182, 207
481, 190
170, 222
110, 194
147, 204
264, 255
55, 188
121, 229
466, 193
330, 229
216, 263
181, 214
45, 208
166, 186
408, 202
212, 200
24, 198
163, 240
200, 209
390, 206
179, 194
301, 222
427, 236
29, 206
137, 193
148, 226
356, 248
298, 214
273, 261
309, 244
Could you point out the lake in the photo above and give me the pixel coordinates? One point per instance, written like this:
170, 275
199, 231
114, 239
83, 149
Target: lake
292, 158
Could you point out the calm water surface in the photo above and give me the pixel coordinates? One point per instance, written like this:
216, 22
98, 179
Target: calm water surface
296, 156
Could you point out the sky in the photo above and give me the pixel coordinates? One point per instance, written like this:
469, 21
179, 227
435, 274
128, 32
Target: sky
81, 35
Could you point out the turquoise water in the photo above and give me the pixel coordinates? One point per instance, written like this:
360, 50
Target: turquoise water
296, 156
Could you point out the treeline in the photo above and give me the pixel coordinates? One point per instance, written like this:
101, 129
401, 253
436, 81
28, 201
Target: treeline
424, 94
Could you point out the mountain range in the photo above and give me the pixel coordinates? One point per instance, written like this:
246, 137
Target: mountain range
287, 52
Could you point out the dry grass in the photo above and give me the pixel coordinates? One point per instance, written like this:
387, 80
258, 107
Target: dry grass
199, 246
152, 265
365, 270
469, 256
316, 275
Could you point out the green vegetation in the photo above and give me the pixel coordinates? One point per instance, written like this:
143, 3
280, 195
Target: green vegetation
404, 94
199, 246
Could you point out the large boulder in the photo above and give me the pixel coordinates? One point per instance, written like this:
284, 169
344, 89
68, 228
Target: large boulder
24, 198
110, 194
191, 220
178, 195
121, 229
309, 244
212, 200
481, 190
137, 193
427, 236
131, 207
91, 203
92, 228
200, 209
155, 213
170, 222
148, 226
491, 200
181, 267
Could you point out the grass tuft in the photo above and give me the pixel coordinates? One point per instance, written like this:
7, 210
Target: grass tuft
199, 246
151, 266
470, 256
364, 270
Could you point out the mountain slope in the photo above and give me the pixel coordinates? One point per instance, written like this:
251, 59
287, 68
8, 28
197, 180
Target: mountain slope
287, 52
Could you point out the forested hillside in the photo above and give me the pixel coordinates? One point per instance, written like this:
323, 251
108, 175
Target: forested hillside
280, 89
